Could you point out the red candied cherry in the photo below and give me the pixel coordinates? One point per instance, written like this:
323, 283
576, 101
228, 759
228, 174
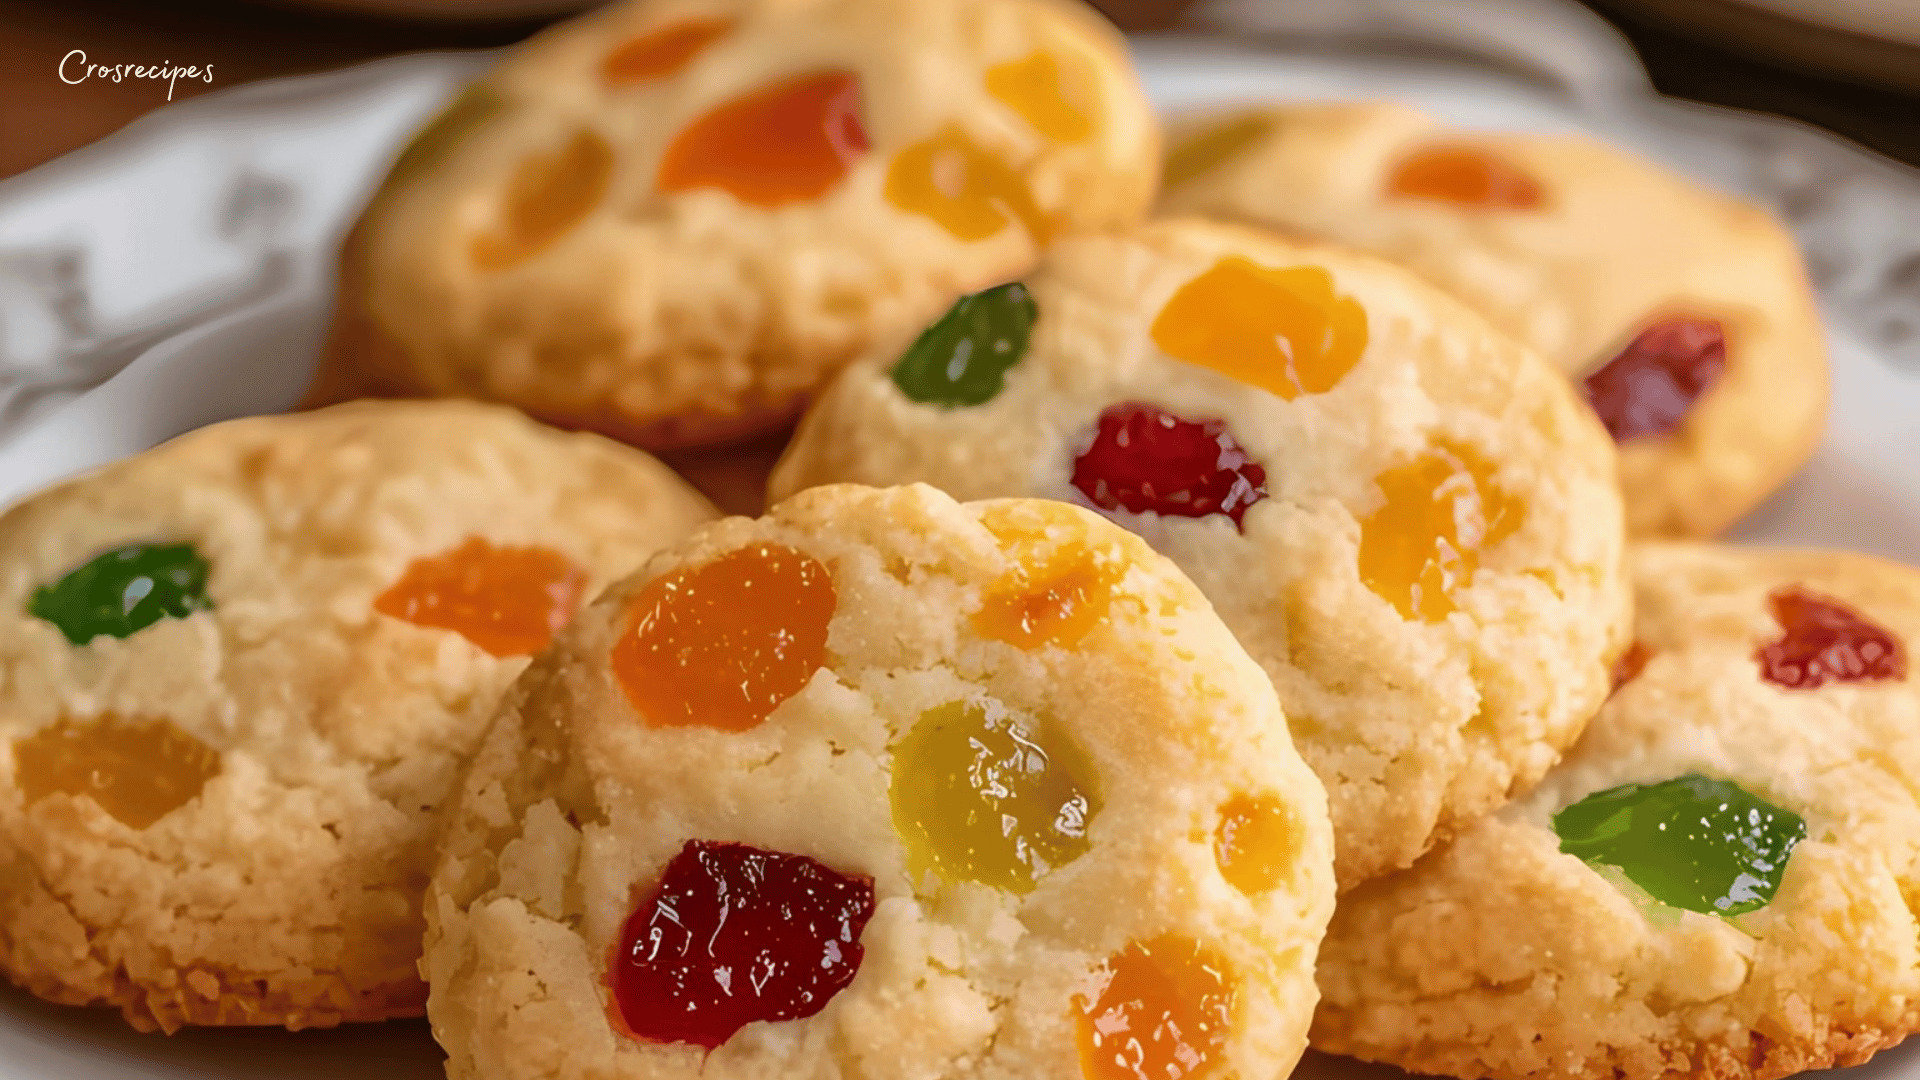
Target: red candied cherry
1144, 459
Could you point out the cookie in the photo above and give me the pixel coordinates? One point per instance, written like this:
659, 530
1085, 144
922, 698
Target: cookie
669, 220
1685, 315
1716, 882
962, 790
238, 673
1409, 520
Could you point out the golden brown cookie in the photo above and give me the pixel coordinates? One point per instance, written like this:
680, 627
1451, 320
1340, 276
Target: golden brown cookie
886, 786
670, 220
1408, 519
1685, 314
238, 673
1716, 883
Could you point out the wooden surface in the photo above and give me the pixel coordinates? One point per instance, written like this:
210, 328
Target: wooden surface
42, 117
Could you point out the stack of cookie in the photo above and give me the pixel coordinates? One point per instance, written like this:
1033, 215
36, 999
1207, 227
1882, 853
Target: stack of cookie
1183, 629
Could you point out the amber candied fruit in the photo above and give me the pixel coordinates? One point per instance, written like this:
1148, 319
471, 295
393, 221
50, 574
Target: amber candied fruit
1256, 843
733, 935
139, 771
1212, 146
1824, 641
1165, 1014
964, 188
981, 794
1038, 87
722, 644
1464, 176
1651, 386
1284, 330
1059, 588
781, 144
1145, 460
507, 600
1442, 509
548, 194
1631, 664
660, 52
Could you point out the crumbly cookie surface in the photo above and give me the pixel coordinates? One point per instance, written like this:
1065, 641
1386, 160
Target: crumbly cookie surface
669, 220
580, 797
1501, 956
1423, 699
1571, 246
224, 816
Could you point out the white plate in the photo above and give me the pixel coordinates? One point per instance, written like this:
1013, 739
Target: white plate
178, 273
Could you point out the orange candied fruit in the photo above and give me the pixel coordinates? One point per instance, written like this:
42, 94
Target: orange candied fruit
507, 600
1284, 330
1466, 176
965, 188
139, 771
1034, 87
722, 644
1255, 843
661, 52
548, 194
1165, 1014
784, 143
1058, 590
1442, 509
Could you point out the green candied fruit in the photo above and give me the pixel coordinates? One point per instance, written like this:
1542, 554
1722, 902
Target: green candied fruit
125, 591
979, 795
1691, 842
475, 105
963, 358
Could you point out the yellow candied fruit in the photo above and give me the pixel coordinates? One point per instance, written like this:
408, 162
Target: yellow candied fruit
661, 52
1059, 589
1255, 843
1284, 330
965, 188
1213, 146
723, 644
1442, 509
1037, 87
982, 795
139, 771
1165, 1014
548, 194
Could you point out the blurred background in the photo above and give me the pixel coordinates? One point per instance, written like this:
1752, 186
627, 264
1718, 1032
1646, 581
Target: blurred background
1852, 66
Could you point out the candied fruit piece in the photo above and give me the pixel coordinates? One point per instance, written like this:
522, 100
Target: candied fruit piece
1442, 509
1144, 460
963, 358
1283, 330
1058, 590
1213, 146
784, 143
1649, 388
121, 592
476, 105
660, 52
1465, 176
1164, 1014
733, 934
508, 600
722, 644
1255, 843
1691, 842
549, 194
979, 795
1631, 664
139, 771
1825, 641
1034, 87
965, 188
